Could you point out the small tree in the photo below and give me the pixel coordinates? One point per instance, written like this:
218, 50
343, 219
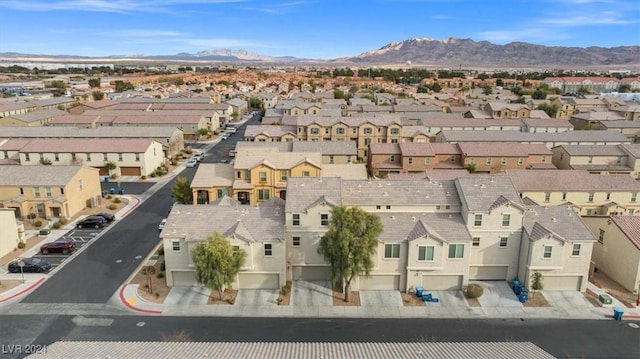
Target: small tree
349, 244
97, 95
536, 283
111, 166
471, 167
217, 262
94, 83
181, 191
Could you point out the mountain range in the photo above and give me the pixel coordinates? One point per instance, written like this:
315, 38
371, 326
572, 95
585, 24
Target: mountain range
449, 52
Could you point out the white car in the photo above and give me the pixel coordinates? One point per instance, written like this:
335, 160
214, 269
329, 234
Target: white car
162, 223
192, 162
224, 136
198, 156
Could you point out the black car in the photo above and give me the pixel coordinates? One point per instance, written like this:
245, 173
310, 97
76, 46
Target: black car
107, 216
92, 222
63, 246
34, 265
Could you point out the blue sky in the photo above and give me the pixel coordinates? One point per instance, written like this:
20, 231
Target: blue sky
319, 29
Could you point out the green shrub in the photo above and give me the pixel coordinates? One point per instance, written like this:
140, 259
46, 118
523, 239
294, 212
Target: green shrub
21, 244
163, 266
160, 275
112, 207
63, 220
143, 177
117, 200
108, 196
56, 225
474, 291
152, 174
231, 300
114, 176
38, 224
161, 251
285, 290
174, 162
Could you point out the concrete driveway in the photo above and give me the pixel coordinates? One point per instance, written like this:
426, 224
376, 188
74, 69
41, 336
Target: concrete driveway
380, 298
497, 294
257, 297
187, 296
311, 294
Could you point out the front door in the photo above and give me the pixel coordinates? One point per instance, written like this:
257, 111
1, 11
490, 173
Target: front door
55, 212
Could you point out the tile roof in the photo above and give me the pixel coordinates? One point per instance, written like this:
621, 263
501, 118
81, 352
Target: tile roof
480, 192
561, 222
39, 175
281, 146
504, 149
593, 150
34, 116
439, 174
302, 192
632, 148
163, 118
213, 174
100, 104
74, 132
251, 157
248, 223
630, 226
515, 136
404, 226
398, 193
93, 145
571, 181
326, 147
301, 350
345, 170
269, 130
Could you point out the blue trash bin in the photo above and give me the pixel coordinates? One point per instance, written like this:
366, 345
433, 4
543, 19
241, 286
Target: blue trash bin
426, 297
518, 290
617, 313
419, 291
523, 298
106, 179
516, 283
104, 193
112, 190
121, 191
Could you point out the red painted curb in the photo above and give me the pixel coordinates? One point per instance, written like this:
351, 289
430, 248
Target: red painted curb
124, 301
37, 283
132, 208
624, 316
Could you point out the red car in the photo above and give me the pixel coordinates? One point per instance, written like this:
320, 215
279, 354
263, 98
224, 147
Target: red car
60, 246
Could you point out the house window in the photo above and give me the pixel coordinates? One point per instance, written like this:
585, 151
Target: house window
61, 190
427, 160
305, 173
340, 131
456, 251
601, 236
547, 252
268, 250
80, 184
296, 219
589, 212
56, 157
73, 157
489, 159
221, 192
41, 156
47, 191
425, 253
36, 192
591, 197
392, 250
326, 130
263, 194
263, 176
238, 175
388, 206
26, 157
590, 160
120, 157
503, 161
520, 161
105, 157
608, 196
564, 196
575, 251
315, 131
247, 175
295, 241
438, 207
543, 159
506, 220
331, 159
348, 159
395, 131
6, 154
477, 220
410, 160
475, 242
547, 196
368, 131
392, 158
40, 208
88, 157
367, 141
472, 160
452, 159
21, 191
175, 246
634, 196
324, 219
137, 157
503, 241
283, 175
378, 206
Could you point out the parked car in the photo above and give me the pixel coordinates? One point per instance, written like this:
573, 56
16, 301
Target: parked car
198, 156
34, 265
224, 136
63, 246
162, 223
191, 162
232, 130
92, 222
107, 216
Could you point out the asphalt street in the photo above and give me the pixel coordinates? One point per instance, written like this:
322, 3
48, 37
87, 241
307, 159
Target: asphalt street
561, 338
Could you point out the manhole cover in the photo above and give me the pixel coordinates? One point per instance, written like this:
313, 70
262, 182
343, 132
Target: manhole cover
634, 325
118, 260
140, 324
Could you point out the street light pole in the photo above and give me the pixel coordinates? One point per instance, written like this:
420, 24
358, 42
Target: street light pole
21, 265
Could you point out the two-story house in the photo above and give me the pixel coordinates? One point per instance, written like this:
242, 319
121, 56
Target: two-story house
11, 231
258, 231
602, 159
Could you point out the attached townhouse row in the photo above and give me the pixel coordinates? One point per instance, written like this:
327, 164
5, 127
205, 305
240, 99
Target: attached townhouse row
604, 159
437, 234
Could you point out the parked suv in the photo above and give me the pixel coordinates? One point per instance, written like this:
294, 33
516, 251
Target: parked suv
63, 246
92, 222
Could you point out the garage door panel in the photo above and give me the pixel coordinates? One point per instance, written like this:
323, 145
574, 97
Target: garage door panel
184, 278
130, 171
488, 272
311, 273
561, 282
441, 282
258, 281
380, 282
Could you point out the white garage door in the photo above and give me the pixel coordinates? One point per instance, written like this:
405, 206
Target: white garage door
441, 282
561, 282
488, 273
380, 282
258, 281
184, 278
310, 273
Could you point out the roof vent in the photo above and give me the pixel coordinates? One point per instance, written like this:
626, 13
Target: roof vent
393, 217
483, 186
386, 194
554, 219
379, 184
450, 216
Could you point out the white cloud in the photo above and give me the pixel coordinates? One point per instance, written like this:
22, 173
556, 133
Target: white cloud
115, 6
531, 35
144, 33
603, 18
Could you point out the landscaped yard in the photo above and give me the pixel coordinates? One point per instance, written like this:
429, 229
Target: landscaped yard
152, 277
354, 299
410, 300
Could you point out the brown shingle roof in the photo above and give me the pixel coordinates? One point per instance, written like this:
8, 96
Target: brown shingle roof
94, 145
